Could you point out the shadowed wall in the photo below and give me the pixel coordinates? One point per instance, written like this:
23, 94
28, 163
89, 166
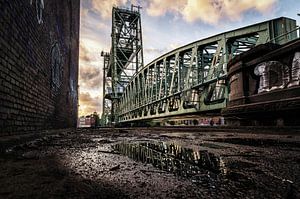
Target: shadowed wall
39, 47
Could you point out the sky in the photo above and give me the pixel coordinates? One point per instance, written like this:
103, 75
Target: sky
166, 25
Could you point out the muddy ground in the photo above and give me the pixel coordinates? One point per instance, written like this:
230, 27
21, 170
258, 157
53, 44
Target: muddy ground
84, 163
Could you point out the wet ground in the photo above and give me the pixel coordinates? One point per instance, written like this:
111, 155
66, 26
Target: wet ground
151, 163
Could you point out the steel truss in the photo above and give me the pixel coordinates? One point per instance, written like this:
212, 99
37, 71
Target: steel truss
107, 82
192, 78
126, 57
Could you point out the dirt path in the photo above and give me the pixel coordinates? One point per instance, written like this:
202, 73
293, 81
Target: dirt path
86, 164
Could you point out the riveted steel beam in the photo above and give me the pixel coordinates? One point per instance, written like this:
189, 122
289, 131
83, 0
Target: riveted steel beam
125, 60
192, 78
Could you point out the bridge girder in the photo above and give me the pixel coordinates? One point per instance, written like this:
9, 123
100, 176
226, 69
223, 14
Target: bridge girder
192, 79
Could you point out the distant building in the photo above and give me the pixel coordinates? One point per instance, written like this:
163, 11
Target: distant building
89, 120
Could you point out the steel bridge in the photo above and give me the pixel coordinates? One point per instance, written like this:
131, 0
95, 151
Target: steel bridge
123, 61
190, 79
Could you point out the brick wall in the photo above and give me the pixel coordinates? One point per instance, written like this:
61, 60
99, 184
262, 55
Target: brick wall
39, 46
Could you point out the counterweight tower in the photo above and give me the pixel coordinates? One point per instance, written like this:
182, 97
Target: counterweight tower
125, 58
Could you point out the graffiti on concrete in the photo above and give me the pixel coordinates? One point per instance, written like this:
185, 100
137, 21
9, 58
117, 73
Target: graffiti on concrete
275, 75
56, 66
295, 72
73, 91
39, 6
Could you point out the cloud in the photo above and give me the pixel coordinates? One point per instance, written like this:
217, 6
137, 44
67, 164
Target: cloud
88, 72
83, 12
89, 104
159, 8
89, 77
209, 11
83, 53
204, 10
104, 7
234, 8
89, 67
155, 50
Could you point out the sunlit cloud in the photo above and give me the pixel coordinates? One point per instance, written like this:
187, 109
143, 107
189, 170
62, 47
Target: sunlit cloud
90, 77
159, 8
104, 7
83, 55
203, 10
209, 11
88, 103
234, 8
83, 12
90, 51
92, 42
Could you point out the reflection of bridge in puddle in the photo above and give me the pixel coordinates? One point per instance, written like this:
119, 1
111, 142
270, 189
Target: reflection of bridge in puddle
173, 158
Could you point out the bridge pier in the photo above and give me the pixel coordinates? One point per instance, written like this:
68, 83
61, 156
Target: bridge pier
264, 89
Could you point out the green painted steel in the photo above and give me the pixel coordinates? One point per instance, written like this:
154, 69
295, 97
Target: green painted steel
192, 79
106, 103
125, 59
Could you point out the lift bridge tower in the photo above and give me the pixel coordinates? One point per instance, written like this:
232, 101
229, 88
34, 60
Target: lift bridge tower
124, 60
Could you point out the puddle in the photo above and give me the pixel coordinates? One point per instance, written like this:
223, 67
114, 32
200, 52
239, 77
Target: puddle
173, 158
